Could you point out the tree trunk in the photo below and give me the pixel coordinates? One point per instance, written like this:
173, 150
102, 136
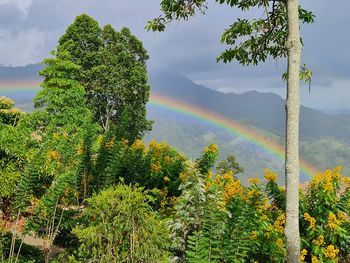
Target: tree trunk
292, 134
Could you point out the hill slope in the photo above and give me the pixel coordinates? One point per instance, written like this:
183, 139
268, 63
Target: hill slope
264, 110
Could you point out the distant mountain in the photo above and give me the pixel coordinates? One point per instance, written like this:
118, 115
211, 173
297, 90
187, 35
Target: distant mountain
264, 110
345, 111
29, 72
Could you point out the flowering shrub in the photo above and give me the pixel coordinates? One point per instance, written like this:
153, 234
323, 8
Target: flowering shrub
325, 226
251, 224
324, 216
8, 114
154, 166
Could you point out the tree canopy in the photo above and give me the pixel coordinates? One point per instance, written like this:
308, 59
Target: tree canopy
113, 72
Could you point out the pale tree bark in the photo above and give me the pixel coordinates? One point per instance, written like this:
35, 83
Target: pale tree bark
292, 134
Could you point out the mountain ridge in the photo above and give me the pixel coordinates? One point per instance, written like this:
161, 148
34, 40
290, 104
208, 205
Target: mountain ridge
264, 110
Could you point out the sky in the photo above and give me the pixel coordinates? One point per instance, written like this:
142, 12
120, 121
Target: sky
29, 29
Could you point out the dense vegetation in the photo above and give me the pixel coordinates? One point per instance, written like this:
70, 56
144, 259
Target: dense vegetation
76, 176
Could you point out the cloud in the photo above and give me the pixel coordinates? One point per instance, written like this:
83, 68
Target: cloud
30, 29
25, 44
22, 5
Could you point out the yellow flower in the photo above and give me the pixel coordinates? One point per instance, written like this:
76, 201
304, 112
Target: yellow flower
155, 167
331, 252
212, 148
319, 241
310, 219
279, 243
154, 145
270, 176
183, 176
207, 185
316, 179
264, 218
251, 193
230, 185
282, 189
125, 141
167, 159
333, 222
254, 180
253, 235
12, 112
280, 222
138, 145
341, 215
100, 139
209, 175
65, 135
6, 103
232, 188
164, 193
53, 155
327, 179
166, 179
266, 203
109, 144
346, 182
314, 259
328, 182
80, 150
173, 199
303, 253
56, 136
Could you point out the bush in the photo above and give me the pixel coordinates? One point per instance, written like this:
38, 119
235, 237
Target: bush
120, 226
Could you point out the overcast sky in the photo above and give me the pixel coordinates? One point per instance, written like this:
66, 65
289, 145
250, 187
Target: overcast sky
29, 29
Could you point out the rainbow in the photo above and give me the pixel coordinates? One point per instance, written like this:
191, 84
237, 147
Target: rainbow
18, 85
231, 126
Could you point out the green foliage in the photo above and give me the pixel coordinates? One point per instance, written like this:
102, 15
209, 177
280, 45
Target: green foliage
63, 174
260, 38
208, 158
156, 166
62, 95
53, 172
230, 164
8, 114
324, 217
188, 209
113, 73
82, 41
206, 243
120, 226
14, 155
250, 41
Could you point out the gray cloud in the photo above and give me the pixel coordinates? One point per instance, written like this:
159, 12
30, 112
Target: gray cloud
10, 17
29, 29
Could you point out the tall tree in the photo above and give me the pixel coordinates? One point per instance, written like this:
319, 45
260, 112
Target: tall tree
292, 134
113, 73
58, 130
275, 34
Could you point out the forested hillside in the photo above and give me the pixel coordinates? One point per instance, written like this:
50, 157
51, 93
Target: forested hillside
264, 110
